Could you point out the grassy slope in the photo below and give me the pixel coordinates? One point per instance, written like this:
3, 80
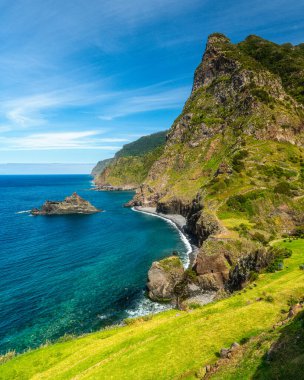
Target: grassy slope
172, 345
129, 170
251, 361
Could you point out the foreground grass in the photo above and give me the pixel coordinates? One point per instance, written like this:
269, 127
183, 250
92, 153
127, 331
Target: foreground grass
172, 345
273, 355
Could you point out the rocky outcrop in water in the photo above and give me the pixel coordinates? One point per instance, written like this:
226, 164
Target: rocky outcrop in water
73, 204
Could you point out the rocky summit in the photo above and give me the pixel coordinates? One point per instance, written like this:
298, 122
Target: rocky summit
73, 204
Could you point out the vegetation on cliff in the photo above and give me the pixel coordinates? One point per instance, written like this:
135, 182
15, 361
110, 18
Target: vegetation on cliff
233, 163
131, 164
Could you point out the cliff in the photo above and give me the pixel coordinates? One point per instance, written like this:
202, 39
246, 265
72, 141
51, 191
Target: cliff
100, 166
130, 165
233, 160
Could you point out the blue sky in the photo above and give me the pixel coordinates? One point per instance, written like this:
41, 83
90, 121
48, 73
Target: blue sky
81, 78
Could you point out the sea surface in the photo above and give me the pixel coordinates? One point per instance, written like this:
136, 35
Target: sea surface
72, 274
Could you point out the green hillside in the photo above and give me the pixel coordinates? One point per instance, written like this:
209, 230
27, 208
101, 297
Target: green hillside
143, 145
132, 163
175, 344
285, 60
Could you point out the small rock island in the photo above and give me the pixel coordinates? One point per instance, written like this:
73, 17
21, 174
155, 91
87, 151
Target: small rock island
73, 204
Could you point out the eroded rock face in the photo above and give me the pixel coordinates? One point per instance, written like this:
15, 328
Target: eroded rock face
220, 263
162, 278
73, 204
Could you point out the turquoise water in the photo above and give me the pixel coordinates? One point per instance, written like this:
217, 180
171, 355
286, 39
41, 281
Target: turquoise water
73, 273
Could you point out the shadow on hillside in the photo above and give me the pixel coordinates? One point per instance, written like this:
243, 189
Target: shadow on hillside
285, 359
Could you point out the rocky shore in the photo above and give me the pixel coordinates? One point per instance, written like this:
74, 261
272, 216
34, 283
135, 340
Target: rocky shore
179, 221
112, 188
73, 204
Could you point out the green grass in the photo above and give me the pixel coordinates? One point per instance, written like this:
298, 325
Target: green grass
173, 344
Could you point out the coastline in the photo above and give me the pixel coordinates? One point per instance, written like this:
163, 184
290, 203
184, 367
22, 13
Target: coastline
179, 222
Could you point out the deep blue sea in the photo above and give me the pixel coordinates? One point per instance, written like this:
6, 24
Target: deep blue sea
72, 273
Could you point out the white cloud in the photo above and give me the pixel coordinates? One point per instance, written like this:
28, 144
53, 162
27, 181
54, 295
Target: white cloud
4, 128
145, 100
60, 140
24, 112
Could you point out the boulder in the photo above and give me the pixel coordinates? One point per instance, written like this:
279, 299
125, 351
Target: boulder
163, 276
224, 353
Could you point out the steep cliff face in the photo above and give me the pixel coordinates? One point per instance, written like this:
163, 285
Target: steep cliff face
233, 160
100, 166
130, 166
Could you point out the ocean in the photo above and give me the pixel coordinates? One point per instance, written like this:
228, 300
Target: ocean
72, 274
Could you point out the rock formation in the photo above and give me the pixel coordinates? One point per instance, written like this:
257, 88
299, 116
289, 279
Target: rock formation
163, 276
73, 204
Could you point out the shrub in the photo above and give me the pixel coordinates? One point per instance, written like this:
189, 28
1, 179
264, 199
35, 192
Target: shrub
301, 267
245, 340
258, 236
262, 95
237, 163
283, 188
299, 231
269, 299
292, 301
243, 203
253, 276
194, 305
130, 321
276, 256
190, 275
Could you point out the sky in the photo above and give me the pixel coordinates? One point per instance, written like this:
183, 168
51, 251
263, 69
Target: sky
80, 78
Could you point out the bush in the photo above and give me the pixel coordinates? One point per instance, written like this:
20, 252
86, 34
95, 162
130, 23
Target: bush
243, 203
283, 188
262, 95
245, 340
301, 267
276, 256
130, 321
299, 231
292, 301
269, 299
257, 236
253, 276
190, 275
194, 305
237, 163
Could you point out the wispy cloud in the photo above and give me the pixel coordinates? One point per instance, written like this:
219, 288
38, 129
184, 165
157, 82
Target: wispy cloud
61, 140
29, 111
146, 101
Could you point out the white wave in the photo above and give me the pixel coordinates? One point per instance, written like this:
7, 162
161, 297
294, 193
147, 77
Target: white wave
145, 306
23, 212
102, 316
186, 259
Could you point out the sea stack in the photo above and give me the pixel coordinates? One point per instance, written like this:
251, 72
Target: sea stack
73, 204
